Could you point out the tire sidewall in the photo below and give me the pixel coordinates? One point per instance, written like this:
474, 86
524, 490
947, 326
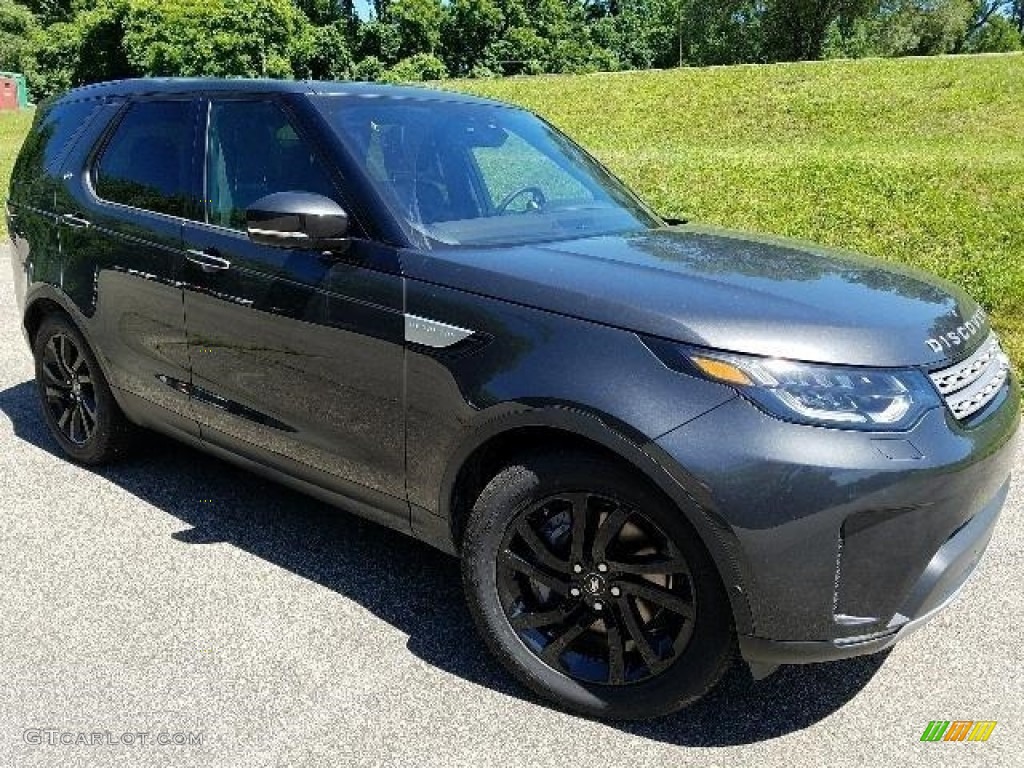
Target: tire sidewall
693, 673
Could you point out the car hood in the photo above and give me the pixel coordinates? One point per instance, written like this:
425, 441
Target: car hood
730, 291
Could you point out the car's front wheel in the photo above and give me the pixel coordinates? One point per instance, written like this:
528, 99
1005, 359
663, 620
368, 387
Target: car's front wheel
77, 403
593, 589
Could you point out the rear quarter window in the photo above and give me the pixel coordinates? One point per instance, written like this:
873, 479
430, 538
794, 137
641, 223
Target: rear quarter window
52, 134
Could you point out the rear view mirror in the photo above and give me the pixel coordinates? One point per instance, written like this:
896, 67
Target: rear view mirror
297, 220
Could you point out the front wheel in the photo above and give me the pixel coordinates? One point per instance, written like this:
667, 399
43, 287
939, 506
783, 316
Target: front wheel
593, 589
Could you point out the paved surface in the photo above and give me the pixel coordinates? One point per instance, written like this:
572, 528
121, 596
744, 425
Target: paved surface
173, 594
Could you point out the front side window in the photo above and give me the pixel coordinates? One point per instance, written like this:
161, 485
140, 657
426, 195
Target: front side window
148, 160
252, 151
476, 174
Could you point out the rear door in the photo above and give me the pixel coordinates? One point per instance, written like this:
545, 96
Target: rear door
124, 196
297, 356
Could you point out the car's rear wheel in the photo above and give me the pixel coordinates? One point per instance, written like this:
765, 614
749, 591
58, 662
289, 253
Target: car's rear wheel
77, 403
593, 589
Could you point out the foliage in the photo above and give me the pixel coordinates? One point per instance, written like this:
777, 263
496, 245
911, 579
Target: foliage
86, 49
250, 38
417, 23
368, 68
17, 27
322, 53
469, 27
1000, 35
422, 66
379, 40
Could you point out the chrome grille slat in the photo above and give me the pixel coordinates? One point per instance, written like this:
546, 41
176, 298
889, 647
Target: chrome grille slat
971, 385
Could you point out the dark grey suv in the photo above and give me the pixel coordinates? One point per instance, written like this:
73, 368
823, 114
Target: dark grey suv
650, 444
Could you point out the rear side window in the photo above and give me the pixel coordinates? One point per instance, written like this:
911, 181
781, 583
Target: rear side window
147, 162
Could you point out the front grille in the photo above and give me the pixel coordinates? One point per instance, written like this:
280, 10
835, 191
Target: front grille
971, 385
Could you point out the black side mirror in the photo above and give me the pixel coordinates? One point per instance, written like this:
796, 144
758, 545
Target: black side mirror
674, 222
297, 220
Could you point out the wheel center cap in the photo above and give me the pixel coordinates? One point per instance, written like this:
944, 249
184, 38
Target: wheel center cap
593, 583
76, 386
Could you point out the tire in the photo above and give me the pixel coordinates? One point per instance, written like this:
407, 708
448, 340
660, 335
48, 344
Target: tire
76, 400
525, 612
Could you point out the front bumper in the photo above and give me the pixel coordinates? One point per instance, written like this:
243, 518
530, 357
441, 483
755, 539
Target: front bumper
940, 584
845, 542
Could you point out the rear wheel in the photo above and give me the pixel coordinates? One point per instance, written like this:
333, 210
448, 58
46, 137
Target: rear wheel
77, 403
594, 590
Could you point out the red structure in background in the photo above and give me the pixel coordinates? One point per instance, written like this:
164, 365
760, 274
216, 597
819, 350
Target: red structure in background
8, 94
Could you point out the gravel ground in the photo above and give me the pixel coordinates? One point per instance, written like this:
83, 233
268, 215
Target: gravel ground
174, 594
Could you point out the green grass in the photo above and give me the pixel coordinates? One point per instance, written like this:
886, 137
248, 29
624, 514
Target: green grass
13, 127
912, 160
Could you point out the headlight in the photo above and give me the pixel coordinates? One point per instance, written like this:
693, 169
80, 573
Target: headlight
836, 396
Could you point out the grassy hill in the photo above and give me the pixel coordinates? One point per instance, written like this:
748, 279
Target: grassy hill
13, 127
913, 160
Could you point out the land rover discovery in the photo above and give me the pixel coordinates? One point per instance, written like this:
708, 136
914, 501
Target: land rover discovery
651, 444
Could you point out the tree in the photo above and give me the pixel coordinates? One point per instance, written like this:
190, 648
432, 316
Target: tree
928, 27
520, 51
418, 23
796, 30
999, 35
324, 12
322, 53
705, 32
370, 69
17, 27
983, 13
87, 49
216, 38
421, 66
468, 28
379, 40
51, 11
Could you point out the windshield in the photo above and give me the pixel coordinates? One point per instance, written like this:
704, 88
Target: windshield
475, 174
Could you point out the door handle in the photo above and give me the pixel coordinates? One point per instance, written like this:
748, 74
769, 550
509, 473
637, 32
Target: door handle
208, 262
77, 222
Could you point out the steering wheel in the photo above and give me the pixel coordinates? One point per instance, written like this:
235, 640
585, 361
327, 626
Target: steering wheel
539, 200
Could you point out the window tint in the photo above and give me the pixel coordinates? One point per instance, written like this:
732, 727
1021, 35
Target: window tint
52, 133
148, 160
252, 151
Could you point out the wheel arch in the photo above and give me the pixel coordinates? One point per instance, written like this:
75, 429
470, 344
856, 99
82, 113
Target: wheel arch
36, 312
499, 441
46, 300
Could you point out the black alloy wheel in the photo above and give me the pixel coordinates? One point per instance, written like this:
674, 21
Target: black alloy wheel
78, 405
68, 389
594, 589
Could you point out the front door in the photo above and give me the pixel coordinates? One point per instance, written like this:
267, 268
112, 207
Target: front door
297, 356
